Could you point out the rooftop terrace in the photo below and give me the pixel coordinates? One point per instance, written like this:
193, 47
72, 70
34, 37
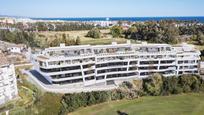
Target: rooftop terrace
114, 48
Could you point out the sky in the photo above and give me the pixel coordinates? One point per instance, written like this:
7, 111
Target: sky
101, 8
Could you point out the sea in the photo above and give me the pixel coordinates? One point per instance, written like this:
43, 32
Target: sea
196, 18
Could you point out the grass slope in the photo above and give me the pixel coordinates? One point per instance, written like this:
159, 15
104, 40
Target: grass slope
185, 104
32, 100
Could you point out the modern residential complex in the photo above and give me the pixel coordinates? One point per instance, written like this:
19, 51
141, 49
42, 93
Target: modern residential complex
8, 85
89, 65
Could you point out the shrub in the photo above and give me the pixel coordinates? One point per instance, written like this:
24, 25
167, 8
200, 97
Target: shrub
116, 31
169, 85
186, 89
101, 96
177, 90
133, 94
153, 84
189, 82
72, 102
94, 33
90, 99
127, 84
201, 87
138, 84
117, 94
196, 86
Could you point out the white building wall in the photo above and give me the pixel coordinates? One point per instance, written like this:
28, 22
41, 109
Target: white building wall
15, 49
8, 84
165, 60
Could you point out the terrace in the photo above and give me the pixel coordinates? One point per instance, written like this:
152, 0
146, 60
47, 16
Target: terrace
153, 49
116, 58
185, 48
69, 53
68, 62
112, 50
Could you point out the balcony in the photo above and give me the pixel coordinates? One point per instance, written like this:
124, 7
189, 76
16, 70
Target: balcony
63, 72
113, 50
69, 53
68, 75
121, 75
111, 64
73, 61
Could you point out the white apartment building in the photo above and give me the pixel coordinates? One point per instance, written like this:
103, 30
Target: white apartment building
8, 85
88, 65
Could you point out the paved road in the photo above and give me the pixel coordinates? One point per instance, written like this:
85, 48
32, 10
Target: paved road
41, 82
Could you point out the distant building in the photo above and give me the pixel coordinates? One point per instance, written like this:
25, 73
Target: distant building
16, 48
13, 48
88, 65
7, 20
8, 85
7, 28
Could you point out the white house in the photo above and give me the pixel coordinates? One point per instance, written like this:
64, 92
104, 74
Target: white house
16, 48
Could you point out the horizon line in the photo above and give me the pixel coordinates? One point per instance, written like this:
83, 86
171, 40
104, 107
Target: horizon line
35, 17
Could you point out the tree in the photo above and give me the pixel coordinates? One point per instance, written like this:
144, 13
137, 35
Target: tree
94, 33
10, 37
116, 31
55, 42
70, 41
78, 41
131, 32
170, 35
64, 37
18, 37
41, 26
200, 38
51, 27
133, 29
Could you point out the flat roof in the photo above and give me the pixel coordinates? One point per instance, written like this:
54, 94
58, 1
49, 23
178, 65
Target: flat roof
67, 47
105, 46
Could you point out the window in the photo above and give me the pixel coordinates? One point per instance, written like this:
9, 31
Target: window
90, 78
133, 62
100, 77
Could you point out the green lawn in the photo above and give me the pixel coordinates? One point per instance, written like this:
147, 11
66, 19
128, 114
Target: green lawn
185, 104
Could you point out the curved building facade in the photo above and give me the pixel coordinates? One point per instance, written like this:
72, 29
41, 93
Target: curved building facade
88, 65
